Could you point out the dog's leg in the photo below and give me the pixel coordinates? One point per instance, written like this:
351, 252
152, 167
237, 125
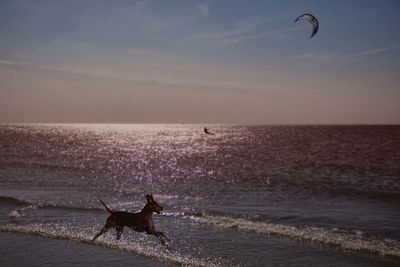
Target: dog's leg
160, 235
103, 231
119, 230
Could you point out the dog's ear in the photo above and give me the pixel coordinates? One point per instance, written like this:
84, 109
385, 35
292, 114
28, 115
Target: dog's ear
149, 198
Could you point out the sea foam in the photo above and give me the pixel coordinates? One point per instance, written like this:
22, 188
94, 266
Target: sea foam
334, 237
68, 232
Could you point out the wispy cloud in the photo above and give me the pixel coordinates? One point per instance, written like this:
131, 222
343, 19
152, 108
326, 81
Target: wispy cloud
163, 80
203, 9
243, 30
135, 7
239, 33
373, 51
321, 56
12, 63
151, 54
335, 56
166, 79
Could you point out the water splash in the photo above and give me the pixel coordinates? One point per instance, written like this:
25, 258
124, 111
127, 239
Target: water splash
21, 212
69, 232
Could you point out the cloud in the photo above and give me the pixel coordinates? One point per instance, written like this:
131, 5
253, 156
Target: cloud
203, 9
12, 63
335, 56
151, 54
135, 7
373, 51
321, 56
238, 33
164, 80
246, 29
171, 79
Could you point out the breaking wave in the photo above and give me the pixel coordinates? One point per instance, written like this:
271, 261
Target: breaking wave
355, 240
13, 200
334, 237
66, 232
34, 204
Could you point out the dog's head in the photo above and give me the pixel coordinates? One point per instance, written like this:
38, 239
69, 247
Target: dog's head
153, 205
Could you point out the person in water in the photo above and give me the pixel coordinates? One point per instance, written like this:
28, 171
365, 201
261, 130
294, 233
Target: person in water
206, 131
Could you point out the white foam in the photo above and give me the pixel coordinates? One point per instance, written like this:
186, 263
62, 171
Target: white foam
20, 212
315, 234
67, 232
14, 214
173, 214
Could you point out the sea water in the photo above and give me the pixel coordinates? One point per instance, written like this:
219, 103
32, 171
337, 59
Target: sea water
243, 196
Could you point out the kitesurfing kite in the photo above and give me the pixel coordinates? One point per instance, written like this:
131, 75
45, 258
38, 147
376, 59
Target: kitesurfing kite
312, 19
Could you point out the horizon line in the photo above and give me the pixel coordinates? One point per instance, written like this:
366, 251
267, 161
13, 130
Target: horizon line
200, 123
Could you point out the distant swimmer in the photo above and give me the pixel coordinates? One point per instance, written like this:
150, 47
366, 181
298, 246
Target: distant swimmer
206, 131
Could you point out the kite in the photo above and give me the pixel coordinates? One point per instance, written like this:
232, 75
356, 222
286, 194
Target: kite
311, 19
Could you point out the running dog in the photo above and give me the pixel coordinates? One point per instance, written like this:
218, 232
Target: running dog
141, 221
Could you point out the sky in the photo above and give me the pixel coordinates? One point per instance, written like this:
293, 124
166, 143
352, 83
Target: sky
211, 61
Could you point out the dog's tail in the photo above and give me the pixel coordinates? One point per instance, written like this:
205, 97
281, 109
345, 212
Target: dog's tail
107, 208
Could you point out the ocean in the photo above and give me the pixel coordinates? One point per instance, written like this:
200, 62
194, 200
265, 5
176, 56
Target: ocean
282, 195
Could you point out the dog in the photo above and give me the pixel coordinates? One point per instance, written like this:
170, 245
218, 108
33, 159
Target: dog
141, 221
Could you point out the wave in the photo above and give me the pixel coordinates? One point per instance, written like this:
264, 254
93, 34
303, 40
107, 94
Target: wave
13, 200
20, 212
355, 240
333, 237
34, 204
66, 232
16, 201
